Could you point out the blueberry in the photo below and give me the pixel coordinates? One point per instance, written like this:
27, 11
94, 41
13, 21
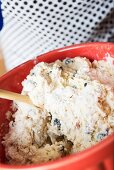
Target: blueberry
101, 135
68, 61
49, 72
57, 123
85, 84
61, 68
32, 74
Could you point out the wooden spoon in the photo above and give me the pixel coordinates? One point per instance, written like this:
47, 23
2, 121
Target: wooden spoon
14, 96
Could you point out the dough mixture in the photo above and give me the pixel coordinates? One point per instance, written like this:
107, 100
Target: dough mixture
73, 110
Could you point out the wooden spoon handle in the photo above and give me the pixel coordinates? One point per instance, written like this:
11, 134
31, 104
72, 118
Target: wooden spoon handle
14, 96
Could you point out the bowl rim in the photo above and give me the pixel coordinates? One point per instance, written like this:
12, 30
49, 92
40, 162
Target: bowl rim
74, 158
66, 48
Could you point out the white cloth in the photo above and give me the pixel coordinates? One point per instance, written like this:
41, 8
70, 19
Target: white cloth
33, 27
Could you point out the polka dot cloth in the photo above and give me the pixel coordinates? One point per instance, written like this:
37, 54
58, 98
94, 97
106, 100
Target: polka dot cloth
37, 26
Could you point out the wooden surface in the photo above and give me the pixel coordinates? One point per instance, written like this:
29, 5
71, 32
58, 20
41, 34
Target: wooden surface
2, 64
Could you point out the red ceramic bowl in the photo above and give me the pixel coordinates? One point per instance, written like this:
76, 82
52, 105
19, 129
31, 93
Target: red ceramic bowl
100, 156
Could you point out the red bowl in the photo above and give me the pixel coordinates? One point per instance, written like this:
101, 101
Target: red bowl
97, 157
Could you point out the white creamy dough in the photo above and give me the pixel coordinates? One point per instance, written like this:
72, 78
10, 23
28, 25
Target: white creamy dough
74, 109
